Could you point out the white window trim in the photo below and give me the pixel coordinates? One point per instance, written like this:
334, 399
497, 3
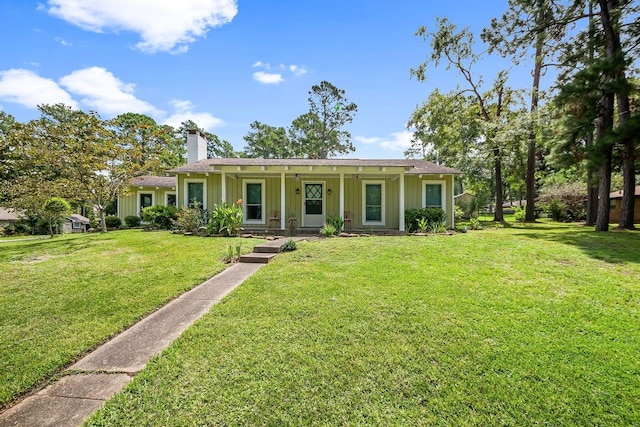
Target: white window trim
443, 191
364, 203
262, 201
204, 191
141, 192
166, 197
76, 225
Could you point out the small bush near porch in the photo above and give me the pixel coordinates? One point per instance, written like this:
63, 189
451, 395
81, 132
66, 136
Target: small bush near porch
534, 324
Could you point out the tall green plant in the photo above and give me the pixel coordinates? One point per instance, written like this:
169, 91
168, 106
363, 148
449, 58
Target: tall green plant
225, 219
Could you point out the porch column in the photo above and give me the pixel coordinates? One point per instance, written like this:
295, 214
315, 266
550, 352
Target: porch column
224, 186
283, 205
401, 217
342, 196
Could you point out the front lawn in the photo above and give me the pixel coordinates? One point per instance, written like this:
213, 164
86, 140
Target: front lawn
529, 325
62, 297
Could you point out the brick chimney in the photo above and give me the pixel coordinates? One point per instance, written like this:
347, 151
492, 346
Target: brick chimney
196, 146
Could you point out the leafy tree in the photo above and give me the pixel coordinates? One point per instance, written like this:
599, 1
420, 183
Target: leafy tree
268, 142
156, 146
55, 211
490, 106
319, 134
527, 25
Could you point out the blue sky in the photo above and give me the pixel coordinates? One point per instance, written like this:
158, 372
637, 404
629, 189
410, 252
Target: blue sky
225, 64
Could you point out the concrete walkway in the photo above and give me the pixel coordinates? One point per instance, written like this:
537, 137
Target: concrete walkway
98, 376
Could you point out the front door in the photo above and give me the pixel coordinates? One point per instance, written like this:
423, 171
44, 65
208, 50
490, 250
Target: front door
313, 205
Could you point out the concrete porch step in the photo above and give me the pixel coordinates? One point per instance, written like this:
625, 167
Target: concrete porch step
258, 257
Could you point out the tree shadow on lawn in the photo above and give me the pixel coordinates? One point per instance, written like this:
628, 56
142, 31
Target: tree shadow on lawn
615, 246
60, 245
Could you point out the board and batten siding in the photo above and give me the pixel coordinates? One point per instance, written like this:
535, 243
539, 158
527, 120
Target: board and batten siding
128, 204
413, 198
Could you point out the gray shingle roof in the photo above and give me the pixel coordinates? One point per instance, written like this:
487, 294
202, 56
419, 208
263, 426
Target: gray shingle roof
153, 181
618, 194
417, 166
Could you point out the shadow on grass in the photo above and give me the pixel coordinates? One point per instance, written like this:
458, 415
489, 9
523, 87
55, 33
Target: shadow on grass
614, 246
57, 244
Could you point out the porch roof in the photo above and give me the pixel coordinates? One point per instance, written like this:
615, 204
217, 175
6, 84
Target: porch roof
411, 166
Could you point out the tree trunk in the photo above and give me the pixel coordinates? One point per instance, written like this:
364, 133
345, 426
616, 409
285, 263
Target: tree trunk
498, 215
604, 189
628, 186
102, 221
530, 214
592, 188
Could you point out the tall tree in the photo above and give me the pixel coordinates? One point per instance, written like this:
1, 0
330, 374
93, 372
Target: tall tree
319, 133
456, 49
268, 142
528, 24
156, 146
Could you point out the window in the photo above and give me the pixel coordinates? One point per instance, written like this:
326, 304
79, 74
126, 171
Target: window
195, 193
144, 200
76, 225
433, 194
169, 199
254, 202
373, 203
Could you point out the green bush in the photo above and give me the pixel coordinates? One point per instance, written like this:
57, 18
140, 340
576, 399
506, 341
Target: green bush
190, 219
520, 213
288, 245
328, 230
474, 224
112, 221
9, 230
160, 216
430, 215
225, 220
336, 221
132, 221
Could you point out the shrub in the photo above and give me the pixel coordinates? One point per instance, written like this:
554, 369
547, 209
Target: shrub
423, 225
431, 215
225, 219
189, 220
336, 221
565, 202
438, 227
112, 221
474, 224
288, 245
160, 216
328, 230
132, 221
9, 230
520, 213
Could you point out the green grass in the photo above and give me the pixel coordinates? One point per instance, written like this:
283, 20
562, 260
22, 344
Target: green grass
64, 296
529, 325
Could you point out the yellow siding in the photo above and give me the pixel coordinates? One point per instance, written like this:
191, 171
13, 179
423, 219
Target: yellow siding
128, 204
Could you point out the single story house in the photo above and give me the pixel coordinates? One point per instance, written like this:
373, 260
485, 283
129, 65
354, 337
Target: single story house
76, 223
615, 204
367, 194
9, 217
147, 191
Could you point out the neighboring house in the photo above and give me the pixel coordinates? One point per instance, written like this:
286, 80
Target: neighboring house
147, 191
76, 223
9, 217
616, 206
368, 194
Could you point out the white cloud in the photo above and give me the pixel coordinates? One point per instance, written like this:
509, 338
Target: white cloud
275, 78
297, 70
105, 93
28, 89
184, 111
399, 141
267, 78
63, 42
166, 25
